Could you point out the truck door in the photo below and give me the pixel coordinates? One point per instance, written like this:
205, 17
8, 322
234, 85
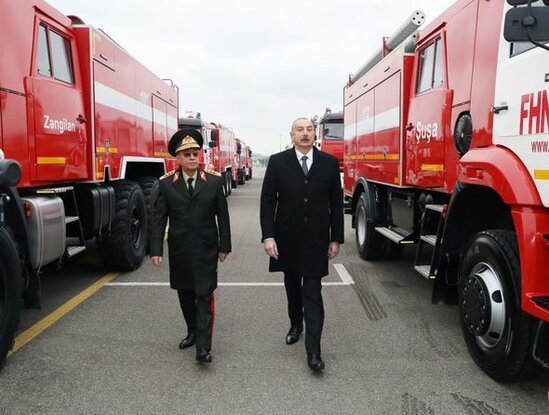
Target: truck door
521, 108
56, 103
429, 110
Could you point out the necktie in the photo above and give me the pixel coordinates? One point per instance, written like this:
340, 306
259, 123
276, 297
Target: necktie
304, 165
190, 183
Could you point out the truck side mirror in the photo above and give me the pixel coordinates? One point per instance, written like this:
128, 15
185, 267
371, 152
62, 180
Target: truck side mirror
521, 2
523, 24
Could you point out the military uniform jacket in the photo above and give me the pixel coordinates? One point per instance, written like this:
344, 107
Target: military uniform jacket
194, 236
303, 213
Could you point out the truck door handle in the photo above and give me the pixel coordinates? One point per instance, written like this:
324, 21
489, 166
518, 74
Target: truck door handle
81, 119
496, 109
410, 127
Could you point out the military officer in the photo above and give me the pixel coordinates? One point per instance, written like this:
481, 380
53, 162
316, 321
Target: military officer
192, 199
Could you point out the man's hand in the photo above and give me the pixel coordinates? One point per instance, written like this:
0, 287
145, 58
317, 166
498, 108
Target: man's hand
270, 247
156, 260
222, 256
333, 250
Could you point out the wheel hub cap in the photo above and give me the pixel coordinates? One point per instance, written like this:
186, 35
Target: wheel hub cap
483, 305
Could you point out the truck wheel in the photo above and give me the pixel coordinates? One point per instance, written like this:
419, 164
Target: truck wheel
151, 188
124, 247
228, 183
10, 292
241, 176
498, 334
368, 241
250, 175
234, 183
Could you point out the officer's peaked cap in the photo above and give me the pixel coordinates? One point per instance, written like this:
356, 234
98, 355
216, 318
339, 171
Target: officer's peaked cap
185, 139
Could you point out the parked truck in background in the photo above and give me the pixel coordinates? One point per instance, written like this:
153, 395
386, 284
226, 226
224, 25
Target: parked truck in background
248, 162
84, 129
243, 162
220, 151
205, 129
330, 134
446, 144
222, 155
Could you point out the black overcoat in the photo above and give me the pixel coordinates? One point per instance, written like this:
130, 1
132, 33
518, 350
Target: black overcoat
303, 213
194, 236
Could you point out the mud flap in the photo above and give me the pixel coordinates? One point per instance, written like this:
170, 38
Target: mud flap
541, 345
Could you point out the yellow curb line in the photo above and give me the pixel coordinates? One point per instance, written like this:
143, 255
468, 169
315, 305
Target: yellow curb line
50, 319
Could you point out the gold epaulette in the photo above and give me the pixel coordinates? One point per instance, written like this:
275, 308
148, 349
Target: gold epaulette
215, 173
170, 173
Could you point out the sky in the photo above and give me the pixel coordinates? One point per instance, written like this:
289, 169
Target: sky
252, 65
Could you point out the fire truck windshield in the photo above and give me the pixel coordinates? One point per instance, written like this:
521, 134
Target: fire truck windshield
333, 131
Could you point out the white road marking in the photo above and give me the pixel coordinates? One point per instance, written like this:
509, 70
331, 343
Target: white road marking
344, 274
220, 284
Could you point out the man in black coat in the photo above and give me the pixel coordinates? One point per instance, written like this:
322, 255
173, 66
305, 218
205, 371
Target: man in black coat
302, 227
192, 199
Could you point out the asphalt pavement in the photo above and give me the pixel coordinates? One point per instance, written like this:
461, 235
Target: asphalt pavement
387, 349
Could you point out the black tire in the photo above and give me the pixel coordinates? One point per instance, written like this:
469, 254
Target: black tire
250, 175
151, 188
123, 248
226, 187
241, 176
369, 243
499, 336
234, 183
11, 285
228, 181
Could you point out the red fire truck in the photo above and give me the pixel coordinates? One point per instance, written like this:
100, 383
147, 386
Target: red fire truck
248, 162
222, 154
446, 142
242, 160
83, 138
330, 134
205, 129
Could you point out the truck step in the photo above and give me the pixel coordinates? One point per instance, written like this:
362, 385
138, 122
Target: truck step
73, 250
56, 190
70, 219
436, 208
73, 241
425, 270
430, 239
396, 235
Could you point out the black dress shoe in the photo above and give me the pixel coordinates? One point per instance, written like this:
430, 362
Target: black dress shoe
293, 334
203, 355
187, 341
315, 363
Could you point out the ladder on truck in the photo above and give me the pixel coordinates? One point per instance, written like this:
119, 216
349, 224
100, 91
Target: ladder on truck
430, 240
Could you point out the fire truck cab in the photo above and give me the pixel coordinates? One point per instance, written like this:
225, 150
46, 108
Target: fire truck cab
330, 134
446, 143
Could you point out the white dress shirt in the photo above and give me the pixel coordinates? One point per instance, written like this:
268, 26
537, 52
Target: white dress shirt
309, 157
